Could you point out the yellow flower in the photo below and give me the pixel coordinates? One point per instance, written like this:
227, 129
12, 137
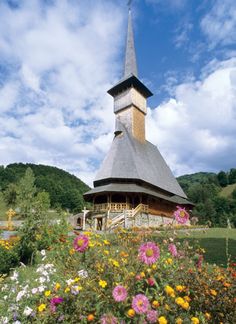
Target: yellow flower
208, 316
115, 263
170, 291
169, 261
162, 320
57, 286
154, 266
195, 320
106, 252
187, 299
167, 307
142, 275
47, 293
185, 305
213, 292
155, 304
41, 307
76, 279
72, 251
131, 313
78, 288
67, 290
178, 320
179, 301
106, 242
102, 283
180, 288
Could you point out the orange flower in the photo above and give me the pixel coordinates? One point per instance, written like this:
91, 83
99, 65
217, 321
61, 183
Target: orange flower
155, 304
213, 292
131, 313
90, 318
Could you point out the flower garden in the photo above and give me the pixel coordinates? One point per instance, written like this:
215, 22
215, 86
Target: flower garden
121, 277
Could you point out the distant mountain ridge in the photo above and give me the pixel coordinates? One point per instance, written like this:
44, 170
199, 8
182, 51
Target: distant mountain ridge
65, 189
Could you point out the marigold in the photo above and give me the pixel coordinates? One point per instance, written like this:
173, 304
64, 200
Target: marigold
162, 320
155, 304
131, 313
207, 316
195, 320
180, 301
213, 292
41, 307
179, 288
187, 299
185, 305
90, 318
178, 320
170, 291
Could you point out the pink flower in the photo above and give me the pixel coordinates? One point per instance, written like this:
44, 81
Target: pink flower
181, 215
149, 252
151, 281
173, 249
152, 316
108, 319
119, 293
81, 243
54, 302
140, 304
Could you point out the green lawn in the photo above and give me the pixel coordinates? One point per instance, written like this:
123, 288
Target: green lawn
214, 241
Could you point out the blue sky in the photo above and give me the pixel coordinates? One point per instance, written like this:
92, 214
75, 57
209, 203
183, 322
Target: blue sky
58, 58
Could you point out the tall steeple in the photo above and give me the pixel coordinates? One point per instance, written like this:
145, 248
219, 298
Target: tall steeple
130, 55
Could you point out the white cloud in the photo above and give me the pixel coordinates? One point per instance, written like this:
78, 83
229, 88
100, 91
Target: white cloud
196, 129
219, 24
53, 106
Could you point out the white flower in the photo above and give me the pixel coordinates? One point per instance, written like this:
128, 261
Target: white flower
14, 276
4, 320
42, 280
41, 288
20, 295
17, 322
69, 281
83, 273
34, 290
43, 252
27, 311
5, 297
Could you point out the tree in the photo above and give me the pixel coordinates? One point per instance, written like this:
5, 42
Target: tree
234, 194
25, 193
222, 178
232, 176
10, 194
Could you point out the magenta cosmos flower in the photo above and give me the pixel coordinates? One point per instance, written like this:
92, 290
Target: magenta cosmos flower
173, 249
152, 316
81, 243
119, 293
149, 252
140, 304
181, 215
54, 302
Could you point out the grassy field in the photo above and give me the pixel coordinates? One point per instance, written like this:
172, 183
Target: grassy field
227, 191
3, 208
215, 241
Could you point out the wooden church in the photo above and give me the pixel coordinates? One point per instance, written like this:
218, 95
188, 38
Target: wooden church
134, 186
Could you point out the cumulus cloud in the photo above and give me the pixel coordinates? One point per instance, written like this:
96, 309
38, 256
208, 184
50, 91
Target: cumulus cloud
219, 25
61, 59
196, 129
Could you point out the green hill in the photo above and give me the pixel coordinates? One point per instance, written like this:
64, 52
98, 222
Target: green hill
228, 190
65, 190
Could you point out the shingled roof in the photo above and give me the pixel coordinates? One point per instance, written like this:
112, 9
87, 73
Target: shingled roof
130, 159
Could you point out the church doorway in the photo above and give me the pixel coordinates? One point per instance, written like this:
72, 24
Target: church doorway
99, 224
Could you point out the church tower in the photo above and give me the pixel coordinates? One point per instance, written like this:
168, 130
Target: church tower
134, 186
130, 94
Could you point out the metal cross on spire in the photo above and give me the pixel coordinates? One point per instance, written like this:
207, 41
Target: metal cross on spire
129, 4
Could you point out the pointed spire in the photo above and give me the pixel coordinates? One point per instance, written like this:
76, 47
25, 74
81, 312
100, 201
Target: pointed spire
130, 56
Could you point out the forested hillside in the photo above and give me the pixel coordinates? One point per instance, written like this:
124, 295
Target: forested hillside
65, 190
214, 196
